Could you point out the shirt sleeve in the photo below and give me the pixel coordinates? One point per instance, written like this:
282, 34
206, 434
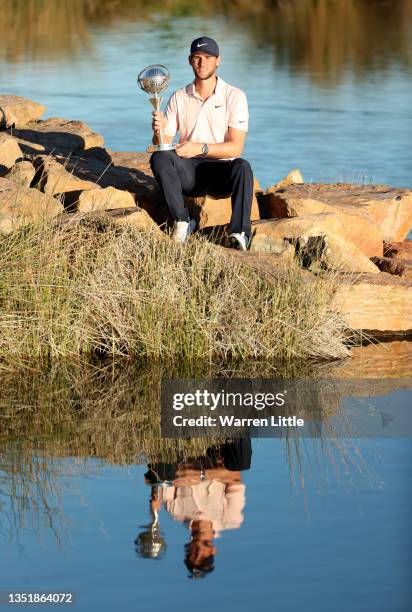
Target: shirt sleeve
238, 112
171, 114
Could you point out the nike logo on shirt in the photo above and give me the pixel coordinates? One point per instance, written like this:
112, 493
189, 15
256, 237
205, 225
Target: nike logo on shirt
219, 106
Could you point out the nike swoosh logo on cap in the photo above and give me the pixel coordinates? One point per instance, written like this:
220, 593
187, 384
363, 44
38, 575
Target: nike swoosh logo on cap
201, 45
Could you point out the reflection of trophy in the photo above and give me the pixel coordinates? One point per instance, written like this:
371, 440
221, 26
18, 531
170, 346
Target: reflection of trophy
154, 80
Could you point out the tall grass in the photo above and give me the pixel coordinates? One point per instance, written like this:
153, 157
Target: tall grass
76, 290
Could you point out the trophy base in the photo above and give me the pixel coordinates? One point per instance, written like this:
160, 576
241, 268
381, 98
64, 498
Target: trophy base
165, 147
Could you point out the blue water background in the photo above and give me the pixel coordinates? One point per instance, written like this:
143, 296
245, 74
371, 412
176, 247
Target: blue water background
358, 130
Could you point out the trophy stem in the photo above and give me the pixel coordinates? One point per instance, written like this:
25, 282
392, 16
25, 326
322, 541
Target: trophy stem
156, 102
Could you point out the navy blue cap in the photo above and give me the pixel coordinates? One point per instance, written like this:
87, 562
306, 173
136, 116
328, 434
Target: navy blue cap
205, 44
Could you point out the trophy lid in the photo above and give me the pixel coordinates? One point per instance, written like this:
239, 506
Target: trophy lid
154, 78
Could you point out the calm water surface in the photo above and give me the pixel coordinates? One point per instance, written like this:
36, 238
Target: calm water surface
357, 128
339, 541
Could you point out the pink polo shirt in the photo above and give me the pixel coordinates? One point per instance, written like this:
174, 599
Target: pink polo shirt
206, 121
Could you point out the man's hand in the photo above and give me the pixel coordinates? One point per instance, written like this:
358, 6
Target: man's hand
189, 149
159, 121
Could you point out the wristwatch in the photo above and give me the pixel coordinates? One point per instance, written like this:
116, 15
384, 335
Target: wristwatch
205, 149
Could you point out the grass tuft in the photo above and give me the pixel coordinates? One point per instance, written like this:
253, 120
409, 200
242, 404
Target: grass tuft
95, 288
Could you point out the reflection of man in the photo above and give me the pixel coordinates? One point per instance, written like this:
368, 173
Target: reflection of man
211, 117
207, 494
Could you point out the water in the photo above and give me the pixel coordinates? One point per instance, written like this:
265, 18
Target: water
341, 541
357, 128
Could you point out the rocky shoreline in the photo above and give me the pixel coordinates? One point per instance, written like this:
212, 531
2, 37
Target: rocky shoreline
60, 169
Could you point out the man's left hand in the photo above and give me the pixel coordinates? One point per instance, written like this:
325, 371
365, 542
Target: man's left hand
189, 149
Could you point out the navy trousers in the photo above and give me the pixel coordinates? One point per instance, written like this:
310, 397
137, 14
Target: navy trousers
196, 176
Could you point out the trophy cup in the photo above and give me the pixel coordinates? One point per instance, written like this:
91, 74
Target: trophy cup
154, 80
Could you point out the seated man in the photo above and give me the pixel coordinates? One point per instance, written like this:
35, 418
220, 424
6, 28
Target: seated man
212, 120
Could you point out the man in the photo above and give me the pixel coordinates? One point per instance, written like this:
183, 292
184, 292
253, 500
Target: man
211, 117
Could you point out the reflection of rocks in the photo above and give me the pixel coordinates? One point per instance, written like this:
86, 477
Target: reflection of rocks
16, 111
384, 360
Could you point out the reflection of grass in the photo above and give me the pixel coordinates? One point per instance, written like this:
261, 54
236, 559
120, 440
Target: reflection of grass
112, 412
96, 288
319, 36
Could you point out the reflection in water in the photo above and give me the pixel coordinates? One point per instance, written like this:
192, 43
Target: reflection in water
112, 412
206, 493
320, 37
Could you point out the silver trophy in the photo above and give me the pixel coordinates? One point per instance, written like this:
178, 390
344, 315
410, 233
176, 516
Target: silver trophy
154, 80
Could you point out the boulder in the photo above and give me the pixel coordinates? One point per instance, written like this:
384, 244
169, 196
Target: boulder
379, 304
319, 240
17, 111
102, 199
399, 250
96, 165
57, 136
22, 173
344, 255
135, 217
10, 152
19, 206
389, 209
213, 210
390, 265
53, 178
358, 226
293, 178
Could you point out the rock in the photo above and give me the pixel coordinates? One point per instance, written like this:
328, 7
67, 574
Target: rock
19, 206
103, 199
389, 265
357, 227
22, 173
210, 211
379, 304
267, 244
57, 136
53, 178
17, 111
319, 240
135, 217
293, 178
344, 255
269, 264
101, 170
389, 209
10, 152
400, 250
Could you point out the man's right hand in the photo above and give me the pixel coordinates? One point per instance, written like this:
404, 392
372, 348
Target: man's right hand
159, 121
